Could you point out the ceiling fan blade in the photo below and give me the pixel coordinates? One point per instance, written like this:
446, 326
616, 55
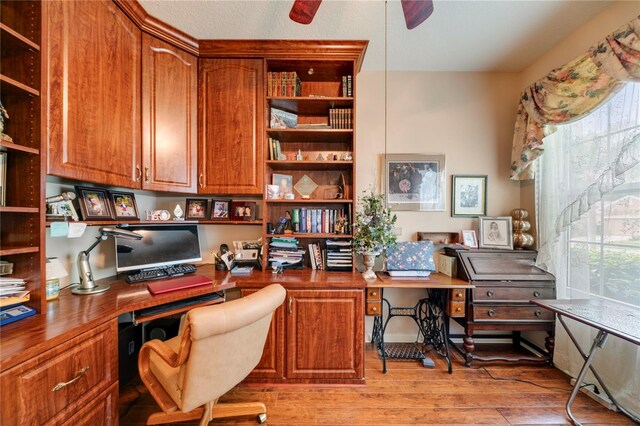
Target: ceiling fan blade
303, 11
416, 11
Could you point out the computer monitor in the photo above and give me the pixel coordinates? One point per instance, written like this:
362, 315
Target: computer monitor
161, 245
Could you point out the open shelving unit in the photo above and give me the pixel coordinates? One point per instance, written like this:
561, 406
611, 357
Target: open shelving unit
20, 83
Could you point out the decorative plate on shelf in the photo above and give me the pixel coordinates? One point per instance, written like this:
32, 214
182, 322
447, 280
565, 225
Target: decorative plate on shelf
305, 186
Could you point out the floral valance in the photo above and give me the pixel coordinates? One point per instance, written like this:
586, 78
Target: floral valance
572, 91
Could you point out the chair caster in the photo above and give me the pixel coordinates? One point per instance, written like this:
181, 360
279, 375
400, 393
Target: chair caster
261, 418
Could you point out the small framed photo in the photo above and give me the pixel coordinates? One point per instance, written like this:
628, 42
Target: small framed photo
124, 205
496, 232
243, 210
415, 182
220, 209
196, 208
94, 203
468, 196
469, 238
284, 182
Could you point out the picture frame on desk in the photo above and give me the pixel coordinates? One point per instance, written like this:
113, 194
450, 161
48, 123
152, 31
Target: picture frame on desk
196, 208
124, 205
243, 210
495, 232
415, 182
468, 195
468, 238
220, 209
94, 203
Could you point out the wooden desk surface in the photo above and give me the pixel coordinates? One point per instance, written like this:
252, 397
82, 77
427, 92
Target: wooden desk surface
435, 280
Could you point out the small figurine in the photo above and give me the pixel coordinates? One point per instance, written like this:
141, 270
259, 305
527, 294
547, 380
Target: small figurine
329, 157
3, 115
319, 157
299, 155
177, 212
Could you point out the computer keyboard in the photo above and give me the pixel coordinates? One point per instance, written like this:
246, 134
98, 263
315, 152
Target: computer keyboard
160, 273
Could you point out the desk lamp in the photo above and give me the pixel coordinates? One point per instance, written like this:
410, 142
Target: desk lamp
87, 285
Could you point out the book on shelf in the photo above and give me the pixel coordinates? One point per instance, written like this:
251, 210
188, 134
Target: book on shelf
340, 118
347, 91
285, 83
283, 119
14, 298
15, 313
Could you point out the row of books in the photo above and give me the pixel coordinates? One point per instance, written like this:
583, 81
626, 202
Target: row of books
285, 251
318, 221
347, 91
283, 84
340, 118
274, 149
13, 295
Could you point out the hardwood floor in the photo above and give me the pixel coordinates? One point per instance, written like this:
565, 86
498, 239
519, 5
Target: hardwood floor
410, 394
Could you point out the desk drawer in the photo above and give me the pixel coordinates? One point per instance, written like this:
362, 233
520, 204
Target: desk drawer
373, 294
511, 313
455, 309
53, 386
512, 294
374, 308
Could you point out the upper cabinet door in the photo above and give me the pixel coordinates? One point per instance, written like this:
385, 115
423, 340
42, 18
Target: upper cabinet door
169, 114
231, 126
93, 54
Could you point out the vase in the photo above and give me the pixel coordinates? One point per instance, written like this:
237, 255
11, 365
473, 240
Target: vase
521, 239
369, 261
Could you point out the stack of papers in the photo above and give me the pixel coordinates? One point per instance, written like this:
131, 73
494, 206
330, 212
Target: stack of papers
12, 291
339, 256
285, 251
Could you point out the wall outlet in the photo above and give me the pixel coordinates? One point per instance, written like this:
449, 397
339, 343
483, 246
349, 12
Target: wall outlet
397, 230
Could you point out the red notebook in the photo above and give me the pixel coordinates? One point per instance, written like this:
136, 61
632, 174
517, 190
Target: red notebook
177, 283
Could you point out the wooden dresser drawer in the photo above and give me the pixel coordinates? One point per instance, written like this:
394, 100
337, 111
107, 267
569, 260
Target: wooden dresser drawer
374, 308
373, 294
512, 294
455, 309
102, 411
51, 387
511, 313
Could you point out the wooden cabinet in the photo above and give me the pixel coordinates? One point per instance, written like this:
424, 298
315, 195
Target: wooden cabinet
169, 114
231, 123
22, 187
93, 58
53, 386
505, 282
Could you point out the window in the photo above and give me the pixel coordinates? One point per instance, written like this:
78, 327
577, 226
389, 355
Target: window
589, 196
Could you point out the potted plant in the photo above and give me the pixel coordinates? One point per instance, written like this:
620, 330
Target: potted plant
373, 229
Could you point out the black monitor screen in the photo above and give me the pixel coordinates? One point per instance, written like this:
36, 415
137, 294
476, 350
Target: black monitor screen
161, 245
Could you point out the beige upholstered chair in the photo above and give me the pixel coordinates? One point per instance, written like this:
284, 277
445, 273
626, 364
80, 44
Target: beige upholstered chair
217, 347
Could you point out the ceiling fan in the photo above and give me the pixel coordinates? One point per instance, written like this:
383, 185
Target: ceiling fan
415, 11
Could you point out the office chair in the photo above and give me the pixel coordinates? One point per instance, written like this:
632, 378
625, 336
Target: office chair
216, 348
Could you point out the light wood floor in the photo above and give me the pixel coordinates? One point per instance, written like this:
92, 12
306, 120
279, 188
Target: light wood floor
410, 394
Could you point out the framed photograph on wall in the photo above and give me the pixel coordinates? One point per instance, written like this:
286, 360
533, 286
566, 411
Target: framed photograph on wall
124, 205
415, 182
94, 203
468, 195
196, 208
469, 238
496, 232
243, 210
220, 209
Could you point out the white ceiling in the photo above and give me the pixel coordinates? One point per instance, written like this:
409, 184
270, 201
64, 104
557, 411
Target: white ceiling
461, 35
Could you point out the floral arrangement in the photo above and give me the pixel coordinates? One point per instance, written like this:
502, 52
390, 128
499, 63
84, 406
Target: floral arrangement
373, 225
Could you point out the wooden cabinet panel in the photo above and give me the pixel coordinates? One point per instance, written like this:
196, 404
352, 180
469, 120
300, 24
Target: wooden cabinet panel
102, 411
325, 334
271, 365
53, 386
231, 125
512, 293
93, 57
169, 114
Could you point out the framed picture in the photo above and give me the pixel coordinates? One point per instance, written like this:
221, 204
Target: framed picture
285, 182
469, 238
496, 232
124, 205
415, 182
196, 208
468, 195
243, 210
94, 203
220, 209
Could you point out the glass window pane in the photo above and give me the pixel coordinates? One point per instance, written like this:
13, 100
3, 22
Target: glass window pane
621, 274
580, 271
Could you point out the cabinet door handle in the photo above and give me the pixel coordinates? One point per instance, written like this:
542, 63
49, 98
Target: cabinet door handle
490, 312
374, 294
537, 313
146, 173
490, 293
536, 293
290, 305
139, 173
75, 379
200, 180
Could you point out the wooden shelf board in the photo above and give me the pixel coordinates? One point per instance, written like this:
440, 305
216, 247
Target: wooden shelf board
11, 86
13, 39
231, 222
308, 235
309, 105
15, 147
321, 136
310, 165
10, 209
6, 251
301, 201
173, 222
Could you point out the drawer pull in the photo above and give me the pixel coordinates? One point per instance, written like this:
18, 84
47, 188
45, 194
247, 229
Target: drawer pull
374, 309
536, 293
458, 294
490, 312
458, 309
537, 313
75, 379
373, 294
490, 293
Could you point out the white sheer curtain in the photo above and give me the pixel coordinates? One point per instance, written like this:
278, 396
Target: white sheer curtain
588, 207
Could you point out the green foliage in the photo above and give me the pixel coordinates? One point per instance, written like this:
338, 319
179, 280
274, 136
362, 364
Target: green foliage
373, 225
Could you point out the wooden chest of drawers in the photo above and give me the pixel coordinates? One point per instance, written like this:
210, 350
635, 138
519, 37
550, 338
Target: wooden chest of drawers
505, 282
